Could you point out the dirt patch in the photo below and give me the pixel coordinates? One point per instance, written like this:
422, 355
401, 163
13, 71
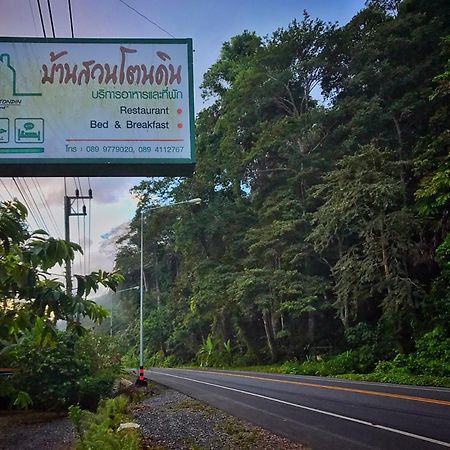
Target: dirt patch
30, 430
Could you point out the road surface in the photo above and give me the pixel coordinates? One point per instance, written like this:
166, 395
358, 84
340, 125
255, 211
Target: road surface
323, 413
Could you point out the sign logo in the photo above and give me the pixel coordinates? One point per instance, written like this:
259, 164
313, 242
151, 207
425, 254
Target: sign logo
4, 130
7, 71
29, 131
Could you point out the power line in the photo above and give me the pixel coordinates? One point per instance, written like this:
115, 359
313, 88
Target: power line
34, 20
33, 210
6, 188
51, 17
84, 226
42, 19
79, 240
38, 210
71, 19
79, 192
26, 203
84, 244
89, 225
12, 197
146, 18
46, 206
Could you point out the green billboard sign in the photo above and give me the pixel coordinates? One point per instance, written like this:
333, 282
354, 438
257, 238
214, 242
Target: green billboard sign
96, 107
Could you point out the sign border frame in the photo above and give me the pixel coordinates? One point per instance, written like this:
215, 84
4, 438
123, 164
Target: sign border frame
81, 166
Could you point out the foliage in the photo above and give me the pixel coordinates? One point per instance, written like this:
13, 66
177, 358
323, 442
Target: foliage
52, 368
101, 429
429, 364
432, 357
351, 361
323, 229
64, 371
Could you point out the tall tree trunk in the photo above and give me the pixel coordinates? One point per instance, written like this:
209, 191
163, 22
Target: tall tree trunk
344, 312
269, 333
311, 326
158, 292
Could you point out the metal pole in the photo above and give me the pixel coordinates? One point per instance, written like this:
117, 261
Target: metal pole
111, 319
141, 381
67, 238
141, 312
67, 214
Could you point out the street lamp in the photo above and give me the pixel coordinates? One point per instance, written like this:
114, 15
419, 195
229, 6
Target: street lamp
141, 381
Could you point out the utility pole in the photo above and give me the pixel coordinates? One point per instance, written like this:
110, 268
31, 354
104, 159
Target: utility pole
68, 212
141, 381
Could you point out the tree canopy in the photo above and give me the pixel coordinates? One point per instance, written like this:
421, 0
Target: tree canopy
323, 165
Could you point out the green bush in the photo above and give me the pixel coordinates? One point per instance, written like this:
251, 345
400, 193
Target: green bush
432, 357
130, 359
68, 370
352, 361
101, 430
93, 388
428, 365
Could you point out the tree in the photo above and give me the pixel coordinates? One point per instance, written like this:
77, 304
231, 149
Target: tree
374, 240
28, 291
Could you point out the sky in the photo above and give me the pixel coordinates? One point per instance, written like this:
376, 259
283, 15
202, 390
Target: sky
209, 23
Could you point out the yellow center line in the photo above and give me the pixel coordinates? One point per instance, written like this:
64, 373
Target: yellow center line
340, 388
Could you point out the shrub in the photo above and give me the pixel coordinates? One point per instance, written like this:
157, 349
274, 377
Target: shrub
101, 430
352, 361
68, 370
93, 388
432, 357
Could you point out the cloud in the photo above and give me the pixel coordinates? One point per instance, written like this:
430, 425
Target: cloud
108, 213
105, 190
110, 190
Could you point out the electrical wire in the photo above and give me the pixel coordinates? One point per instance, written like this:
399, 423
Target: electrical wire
37, 209
80, 239
146, 18
89, 226
84, 226
51, 17
42, 19
79, 242
6, 188
25, 201
12, 197
44, 202
71, 19
34, 211
84, 245
46, 206
34, 20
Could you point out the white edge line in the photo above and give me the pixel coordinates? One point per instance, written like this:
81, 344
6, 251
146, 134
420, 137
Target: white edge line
308, 408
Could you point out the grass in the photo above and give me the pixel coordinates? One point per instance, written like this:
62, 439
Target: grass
194, 405
379, 377
240, 435
395, 378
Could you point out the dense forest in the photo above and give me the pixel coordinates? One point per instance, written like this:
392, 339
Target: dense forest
323, 166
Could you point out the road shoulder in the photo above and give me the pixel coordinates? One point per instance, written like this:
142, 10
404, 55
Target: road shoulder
172, 420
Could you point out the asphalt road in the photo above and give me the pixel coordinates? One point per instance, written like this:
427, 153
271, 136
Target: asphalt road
324, 413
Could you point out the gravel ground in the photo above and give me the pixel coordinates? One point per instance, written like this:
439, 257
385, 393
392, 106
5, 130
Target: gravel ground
35, 431
174, 421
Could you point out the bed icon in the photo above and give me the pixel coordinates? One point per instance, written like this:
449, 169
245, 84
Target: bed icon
29, 131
